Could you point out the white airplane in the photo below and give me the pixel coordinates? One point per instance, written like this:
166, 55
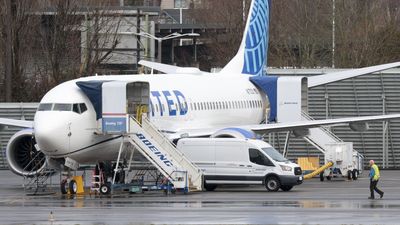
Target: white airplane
184, 102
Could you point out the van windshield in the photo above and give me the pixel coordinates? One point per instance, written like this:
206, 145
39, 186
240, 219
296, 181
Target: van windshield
274, 154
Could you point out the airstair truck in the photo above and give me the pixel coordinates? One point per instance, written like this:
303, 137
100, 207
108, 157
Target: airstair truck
225, 161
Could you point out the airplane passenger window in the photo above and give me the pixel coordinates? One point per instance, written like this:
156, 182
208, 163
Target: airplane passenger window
45, 107
62, 107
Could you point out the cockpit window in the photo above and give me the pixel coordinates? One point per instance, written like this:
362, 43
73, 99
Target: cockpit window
62, 107
45, 107
76, 109
83, 107
79, 108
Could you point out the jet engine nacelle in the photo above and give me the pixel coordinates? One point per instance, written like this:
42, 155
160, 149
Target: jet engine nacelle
234, 132
22, 156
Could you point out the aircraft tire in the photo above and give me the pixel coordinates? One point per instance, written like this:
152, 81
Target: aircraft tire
63, 187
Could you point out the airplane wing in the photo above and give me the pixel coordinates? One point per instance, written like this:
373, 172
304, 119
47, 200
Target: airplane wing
16, 123
168, 69
287, 126
267, 128
342, 75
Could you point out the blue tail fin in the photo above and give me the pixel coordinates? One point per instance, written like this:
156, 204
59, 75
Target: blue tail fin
252, 55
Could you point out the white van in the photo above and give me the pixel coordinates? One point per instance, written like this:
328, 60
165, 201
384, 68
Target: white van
241, 161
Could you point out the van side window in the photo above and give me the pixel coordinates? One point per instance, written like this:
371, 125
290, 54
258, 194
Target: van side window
258, 158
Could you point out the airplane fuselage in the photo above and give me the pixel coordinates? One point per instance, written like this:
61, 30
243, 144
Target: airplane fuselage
66, 124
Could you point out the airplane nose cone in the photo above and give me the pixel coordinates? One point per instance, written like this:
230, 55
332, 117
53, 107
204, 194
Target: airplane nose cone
51, 134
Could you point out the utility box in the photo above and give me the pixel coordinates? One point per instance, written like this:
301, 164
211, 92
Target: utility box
120, 100
341, 152
346, 161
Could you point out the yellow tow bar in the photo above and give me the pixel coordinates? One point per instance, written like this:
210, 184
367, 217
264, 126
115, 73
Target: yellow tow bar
318, 171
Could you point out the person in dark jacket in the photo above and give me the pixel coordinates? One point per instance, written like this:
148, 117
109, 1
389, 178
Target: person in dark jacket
374, 178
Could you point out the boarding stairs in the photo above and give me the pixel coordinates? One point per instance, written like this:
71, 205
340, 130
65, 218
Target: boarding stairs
320, 137
40, 182
164, 155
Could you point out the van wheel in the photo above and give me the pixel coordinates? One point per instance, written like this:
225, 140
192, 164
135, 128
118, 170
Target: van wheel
210, 187
272, 183
286, 188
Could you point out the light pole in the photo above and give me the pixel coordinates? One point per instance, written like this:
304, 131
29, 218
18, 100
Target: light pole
161, 39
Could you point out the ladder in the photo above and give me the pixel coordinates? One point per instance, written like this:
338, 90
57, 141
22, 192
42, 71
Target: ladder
319, 137
163, 154
37, 183
97, 181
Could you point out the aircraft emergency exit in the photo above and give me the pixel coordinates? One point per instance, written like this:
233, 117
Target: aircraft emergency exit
186, 102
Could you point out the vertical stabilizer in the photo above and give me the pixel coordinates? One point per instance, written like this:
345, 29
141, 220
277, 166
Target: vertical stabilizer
252, 55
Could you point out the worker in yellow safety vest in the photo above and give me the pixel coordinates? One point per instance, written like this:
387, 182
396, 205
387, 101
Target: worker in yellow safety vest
374, 178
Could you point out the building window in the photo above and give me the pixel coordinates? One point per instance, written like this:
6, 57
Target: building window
181, 4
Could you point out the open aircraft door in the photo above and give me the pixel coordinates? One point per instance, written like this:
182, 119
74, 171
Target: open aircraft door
120, 100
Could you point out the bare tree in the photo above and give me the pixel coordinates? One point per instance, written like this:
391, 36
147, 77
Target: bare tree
226, 15
368, 32
101, 38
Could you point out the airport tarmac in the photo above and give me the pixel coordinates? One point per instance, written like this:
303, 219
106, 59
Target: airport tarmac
313, 202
